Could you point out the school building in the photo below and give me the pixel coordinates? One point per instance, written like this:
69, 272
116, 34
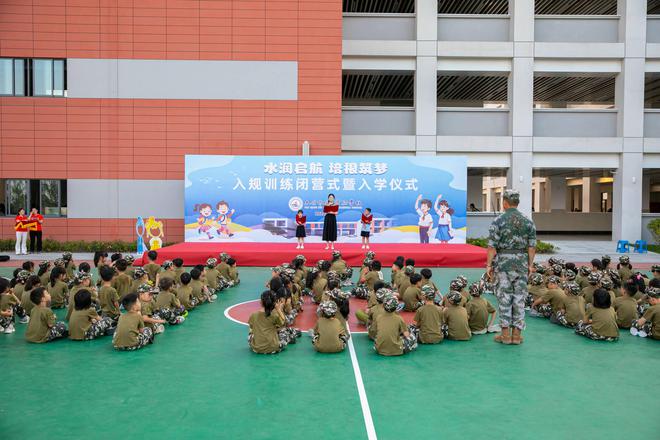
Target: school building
101, 99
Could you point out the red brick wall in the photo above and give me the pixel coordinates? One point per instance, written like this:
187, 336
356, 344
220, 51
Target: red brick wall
147, 139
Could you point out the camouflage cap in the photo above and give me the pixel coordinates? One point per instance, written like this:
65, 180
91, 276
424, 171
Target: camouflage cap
454, 297
145, 288
605, 258
553, 279
624, 259
285, 277
211, 262
333, 275
23, 276
428, 291
44, 265
81, 276
370, 255
570, 275
409, 270
276, 269
557, 269
552, 261
655, 268
367, 262
463, 280
390, 304
536, 279
339, 294
301, 257
606, 283
167, 264
336, 253
314, 270
594, 278
475, 289
67, 256
653, 292
290, 272
512, 196
538, 267
455, 285
383, 293
585, 270
59, 262
327, 309
573, 288
320, 263
130, 259
613, 274
224, 256
139, 273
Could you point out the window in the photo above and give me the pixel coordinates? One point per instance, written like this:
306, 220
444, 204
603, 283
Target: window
32, 77
12, 76
49, 196
48, 77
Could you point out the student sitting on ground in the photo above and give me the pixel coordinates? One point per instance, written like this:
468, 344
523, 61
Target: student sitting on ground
32, 283
122, 281
85, 324
372, 276
341, 298
588, 292
44, 272
57, 289
412, 297
404, 280
582, 275
234, 279
572, 311
481, 314
428, 320
148, 307
264, 337
328, 335
82, 280
199, 289
151, 267
625, 306
340, 266
168, 271
535, 288
168, 306
43, 326
108, 296
397, 271
184, 293
455, 318
600, 321
649, 324
393, 337
131, 334
552, 301
20, 279
426, 279
140, 277
212, 275
317, 283
178, 269
624, 268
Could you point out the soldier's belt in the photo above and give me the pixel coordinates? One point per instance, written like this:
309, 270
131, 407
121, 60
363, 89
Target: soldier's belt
512, 251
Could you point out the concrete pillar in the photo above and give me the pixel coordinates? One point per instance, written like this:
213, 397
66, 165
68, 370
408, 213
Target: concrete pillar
426, 106
475, 191
627, 198
586, 194
519, 178
558, 194
629, 96
646, 193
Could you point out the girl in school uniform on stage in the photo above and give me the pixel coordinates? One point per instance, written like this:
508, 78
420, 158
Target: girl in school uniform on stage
300, 229
331, 208
445, 231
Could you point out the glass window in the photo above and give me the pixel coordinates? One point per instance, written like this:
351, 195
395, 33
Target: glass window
6, 76
19, 77
16, 195
58, 77
50, 197
42, 77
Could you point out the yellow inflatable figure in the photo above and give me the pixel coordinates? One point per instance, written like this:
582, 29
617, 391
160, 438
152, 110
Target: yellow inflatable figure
154, 230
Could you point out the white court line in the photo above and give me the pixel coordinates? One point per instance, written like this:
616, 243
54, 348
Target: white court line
366, 412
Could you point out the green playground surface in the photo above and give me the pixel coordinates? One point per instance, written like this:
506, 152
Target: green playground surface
200, 380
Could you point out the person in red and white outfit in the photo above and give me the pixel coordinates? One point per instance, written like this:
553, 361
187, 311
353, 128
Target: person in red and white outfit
35, 232
21, 232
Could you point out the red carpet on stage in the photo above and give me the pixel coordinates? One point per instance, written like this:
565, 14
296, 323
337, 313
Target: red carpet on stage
273, 254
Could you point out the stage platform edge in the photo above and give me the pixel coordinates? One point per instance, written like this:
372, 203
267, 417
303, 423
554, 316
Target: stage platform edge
273, 254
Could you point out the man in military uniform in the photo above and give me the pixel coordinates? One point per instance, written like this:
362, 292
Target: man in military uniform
511, 251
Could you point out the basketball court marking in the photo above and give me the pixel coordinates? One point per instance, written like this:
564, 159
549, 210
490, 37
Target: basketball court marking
364, 402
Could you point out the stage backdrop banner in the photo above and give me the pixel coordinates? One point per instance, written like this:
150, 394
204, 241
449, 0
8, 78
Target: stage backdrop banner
256, 198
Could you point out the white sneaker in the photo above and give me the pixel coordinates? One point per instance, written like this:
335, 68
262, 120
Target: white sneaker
327, 247
642, 334
159, 328
180, 319
302, 246
2, 329
24, 320
634, 331
362, 246
367, 246
214, 297
298, 247
332, 247
9, 329
533, 312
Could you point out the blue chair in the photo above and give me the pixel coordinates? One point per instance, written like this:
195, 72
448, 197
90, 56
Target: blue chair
641, 247
622, 246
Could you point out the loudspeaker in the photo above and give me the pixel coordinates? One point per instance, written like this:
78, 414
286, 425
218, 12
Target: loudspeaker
4, 258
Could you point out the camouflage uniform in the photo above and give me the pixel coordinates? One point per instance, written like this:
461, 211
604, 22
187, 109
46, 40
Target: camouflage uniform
511, 234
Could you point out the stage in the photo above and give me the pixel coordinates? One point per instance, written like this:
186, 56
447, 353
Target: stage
273, 254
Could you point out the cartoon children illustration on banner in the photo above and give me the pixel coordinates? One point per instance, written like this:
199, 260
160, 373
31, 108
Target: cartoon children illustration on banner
223, 219
205, 219
445, 232
422, 207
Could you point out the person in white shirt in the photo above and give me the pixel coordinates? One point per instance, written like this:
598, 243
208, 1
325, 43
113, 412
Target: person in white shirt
422, 207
